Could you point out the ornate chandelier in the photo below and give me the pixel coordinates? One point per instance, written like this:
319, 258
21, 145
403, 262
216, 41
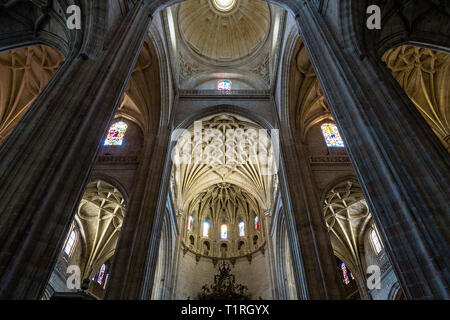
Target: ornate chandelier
224, 287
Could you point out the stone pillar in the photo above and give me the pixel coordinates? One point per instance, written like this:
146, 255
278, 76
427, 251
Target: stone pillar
46, 161
313, 260
135, 260
401, 165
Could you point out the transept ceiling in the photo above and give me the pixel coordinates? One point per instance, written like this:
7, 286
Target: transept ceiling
99, 219
424, 74
347, 217
23, 73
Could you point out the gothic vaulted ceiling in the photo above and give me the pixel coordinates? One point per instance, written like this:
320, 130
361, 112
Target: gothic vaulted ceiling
23, 73
99, 217
424, 75
226, 177
251, 175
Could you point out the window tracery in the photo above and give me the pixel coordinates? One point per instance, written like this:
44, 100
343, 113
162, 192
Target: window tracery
70, 244
375, 241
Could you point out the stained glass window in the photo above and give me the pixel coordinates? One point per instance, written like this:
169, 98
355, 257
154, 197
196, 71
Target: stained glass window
375, 241
223, 232
345, 273
206, 227
331, 135
70, 242
101, 274
190, 223
241, 229
115, 134
224, 85
256, 223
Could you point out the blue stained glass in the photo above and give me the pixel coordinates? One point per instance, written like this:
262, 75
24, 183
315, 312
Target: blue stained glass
223, 232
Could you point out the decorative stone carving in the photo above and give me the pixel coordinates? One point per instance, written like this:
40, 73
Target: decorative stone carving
262, 69
187, 68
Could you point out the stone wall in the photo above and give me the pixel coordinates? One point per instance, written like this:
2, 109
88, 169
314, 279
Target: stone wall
193, 275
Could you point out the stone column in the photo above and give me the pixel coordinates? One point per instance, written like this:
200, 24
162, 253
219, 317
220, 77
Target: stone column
47, 159
135, 260
401, 165
313, 260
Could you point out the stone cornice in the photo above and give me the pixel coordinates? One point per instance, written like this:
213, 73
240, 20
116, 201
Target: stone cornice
225, 94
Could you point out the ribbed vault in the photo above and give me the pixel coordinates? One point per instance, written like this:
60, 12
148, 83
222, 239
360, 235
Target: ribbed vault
308, 104
23, 73
232, 151
99, 217
231, 178
424, 74
347, 216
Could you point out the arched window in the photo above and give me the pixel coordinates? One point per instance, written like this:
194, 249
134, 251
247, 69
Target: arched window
190, 223
223, 232
206, 227
375, 241
224, 85
256, 223
115, 134
241, 229
331, 135
346, 279
101, 274
70, 243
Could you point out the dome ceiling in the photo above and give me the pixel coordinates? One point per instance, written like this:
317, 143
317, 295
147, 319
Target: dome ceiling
224, 30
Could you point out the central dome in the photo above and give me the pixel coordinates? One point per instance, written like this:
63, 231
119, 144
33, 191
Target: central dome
224, 30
